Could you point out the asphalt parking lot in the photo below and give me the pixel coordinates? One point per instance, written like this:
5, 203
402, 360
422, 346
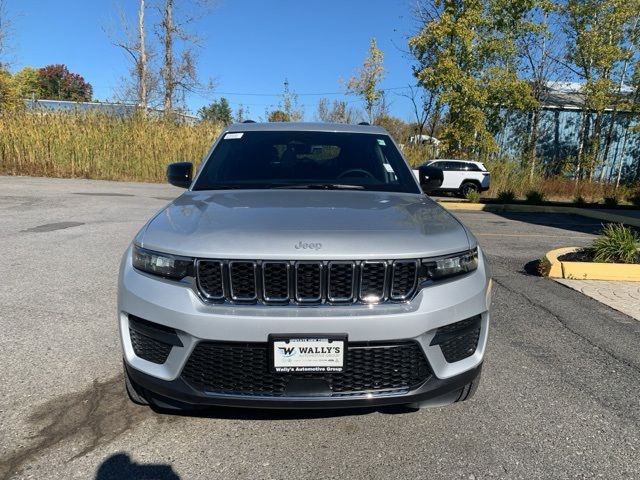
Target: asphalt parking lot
559, 396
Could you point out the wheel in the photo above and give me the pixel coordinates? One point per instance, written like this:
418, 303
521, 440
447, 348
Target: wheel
468, 187
134, 391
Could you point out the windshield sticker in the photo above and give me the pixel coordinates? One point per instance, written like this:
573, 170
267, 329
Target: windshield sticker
233, 136
381, 142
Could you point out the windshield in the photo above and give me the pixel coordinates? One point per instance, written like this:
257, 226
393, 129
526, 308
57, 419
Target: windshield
293, 159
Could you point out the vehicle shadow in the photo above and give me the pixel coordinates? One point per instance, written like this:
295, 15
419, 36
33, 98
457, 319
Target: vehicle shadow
233, 413
120, 467
562, 221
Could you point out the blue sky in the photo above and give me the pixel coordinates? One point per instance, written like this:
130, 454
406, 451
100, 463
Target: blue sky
249, 46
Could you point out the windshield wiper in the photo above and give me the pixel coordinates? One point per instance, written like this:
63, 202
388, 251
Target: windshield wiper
320, 186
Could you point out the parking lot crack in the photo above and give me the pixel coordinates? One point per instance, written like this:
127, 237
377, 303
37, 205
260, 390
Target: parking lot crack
559, 319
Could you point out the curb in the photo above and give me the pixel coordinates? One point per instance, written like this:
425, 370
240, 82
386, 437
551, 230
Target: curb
622, 272
511, 207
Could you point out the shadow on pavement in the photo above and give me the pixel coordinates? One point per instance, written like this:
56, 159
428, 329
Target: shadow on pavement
120, 467
564, 221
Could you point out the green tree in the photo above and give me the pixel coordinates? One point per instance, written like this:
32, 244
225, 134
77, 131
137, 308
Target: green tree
219, 112
28, 83
365, 83
600, 46
9, 98
467, 56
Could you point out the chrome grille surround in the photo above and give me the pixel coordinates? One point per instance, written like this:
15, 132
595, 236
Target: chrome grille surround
306, 282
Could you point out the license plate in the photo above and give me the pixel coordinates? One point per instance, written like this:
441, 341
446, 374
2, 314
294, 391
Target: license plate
308, 355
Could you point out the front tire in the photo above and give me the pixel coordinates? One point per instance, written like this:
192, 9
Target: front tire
468, 187
135, 392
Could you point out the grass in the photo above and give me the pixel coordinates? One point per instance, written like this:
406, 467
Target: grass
94, 145
473, 196
618, 244
98, 146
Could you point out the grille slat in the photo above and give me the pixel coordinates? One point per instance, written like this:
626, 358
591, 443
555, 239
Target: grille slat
243, 369
275, 281
404, 279
373, 281
307, 282
341, 281
243, 281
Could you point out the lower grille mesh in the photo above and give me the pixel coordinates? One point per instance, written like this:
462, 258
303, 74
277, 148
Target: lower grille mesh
149, 348
243, 369
458, 340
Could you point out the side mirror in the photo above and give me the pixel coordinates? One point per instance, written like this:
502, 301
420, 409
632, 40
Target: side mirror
430, 178
180, 173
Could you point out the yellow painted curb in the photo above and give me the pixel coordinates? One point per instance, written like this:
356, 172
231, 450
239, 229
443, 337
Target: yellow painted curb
514, 207
622, 272
556, 265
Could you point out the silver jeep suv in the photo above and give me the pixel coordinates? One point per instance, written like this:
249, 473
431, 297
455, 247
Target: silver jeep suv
303, 267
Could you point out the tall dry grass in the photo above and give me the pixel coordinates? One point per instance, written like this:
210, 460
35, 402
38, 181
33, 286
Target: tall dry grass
94, 145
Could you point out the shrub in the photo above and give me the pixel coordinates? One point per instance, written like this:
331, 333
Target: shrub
618, 244
473, 196
506, 196
634, 198
534, 197
543, 267
610, 201
579, 201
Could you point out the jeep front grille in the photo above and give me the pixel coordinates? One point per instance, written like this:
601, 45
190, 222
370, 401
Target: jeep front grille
307, 282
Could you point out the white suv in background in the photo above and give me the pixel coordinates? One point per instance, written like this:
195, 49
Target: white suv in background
462, 176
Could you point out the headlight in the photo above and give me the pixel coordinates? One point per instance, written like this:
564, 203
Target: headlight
449, 266
162, 264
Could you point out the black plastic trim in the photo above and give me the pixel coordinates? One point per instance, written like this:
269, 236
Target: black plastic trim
153, 330
179, 394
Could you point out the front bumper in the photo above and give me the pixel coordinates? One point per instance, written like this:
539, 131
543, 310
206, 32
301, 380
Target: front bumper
178, 307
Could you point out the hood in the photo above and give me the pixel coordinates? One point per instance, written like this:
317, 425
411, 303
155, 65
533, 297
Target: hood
304, 224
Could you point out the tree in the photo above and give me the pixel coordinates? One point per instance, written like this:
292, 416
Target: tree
396, 127
9, 98
365, 83
467, 56
278, 116
539, 50
290, 104
142, 83
218, 112
5, 28
58, 83
423, 104
179, 68
28, 83
598, 44
337, 112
